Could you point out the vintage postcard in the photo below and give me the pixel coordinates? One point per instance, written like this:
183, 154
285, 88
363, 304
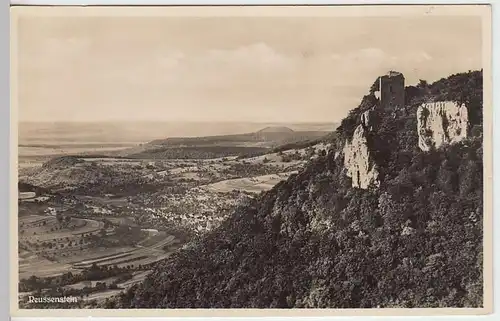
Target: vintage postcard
256, 161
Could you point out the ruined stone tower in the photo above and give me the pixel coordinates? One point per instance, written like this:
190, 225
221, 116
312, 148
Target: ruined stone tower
391, 91
359, 160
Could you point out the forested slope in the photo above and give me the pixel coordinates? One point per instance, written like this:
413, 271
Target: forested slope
315, 241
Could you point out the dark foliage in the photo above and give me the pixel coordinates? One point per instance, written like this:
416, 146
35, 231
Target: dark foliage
281, 136
26, 187
90, 274
304, 144
314, 241
62, 162
199, 152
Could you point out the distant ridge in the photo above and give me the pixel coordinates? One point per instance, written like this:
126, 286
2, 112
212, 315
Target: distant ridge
276, 129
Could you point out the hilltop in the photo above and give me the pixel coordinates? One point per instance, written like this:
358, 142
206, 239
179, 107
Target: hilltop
243, 145
276, 129
391, 216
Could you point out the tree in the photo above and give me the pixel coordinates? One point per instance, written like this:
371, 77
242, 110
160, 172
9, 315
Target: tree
423, 84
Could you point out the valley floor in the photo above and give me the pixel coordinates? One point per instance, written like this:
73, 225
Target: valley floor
97, 226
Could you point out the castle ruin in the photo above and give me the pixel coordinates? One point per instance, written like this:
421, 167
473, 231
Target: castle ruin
391, 90
358, 159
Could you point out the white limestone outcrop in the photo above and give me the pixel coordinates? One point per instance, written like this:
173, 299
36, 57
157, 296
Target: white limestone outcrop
357, 160
365, 120
441, 123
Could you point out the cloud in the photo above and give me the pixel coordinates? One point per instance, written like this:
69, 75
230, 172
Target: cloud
369, 53
252, 65
359, 67
257, 54
253, 56
416, 57
360, 55
377, 55
211, 67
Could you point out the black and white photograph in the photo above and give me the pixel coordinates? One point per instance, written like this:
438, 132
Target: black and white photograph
284, 158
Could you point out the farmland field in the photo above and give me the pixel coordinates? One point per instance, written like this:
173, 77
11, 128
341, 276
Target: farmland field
96, 215
255, 184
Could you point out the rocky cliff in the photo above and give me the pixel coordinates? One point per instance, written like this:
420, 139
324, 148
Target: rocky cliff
357, 158
318, 241
441, 123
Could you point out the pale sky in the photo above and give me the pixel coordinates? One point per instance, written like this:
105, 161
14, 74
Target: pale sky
271, 69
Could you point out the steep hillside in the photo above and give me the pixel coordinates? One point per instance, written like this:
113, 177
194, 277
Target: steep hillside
225, 145
378, 221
